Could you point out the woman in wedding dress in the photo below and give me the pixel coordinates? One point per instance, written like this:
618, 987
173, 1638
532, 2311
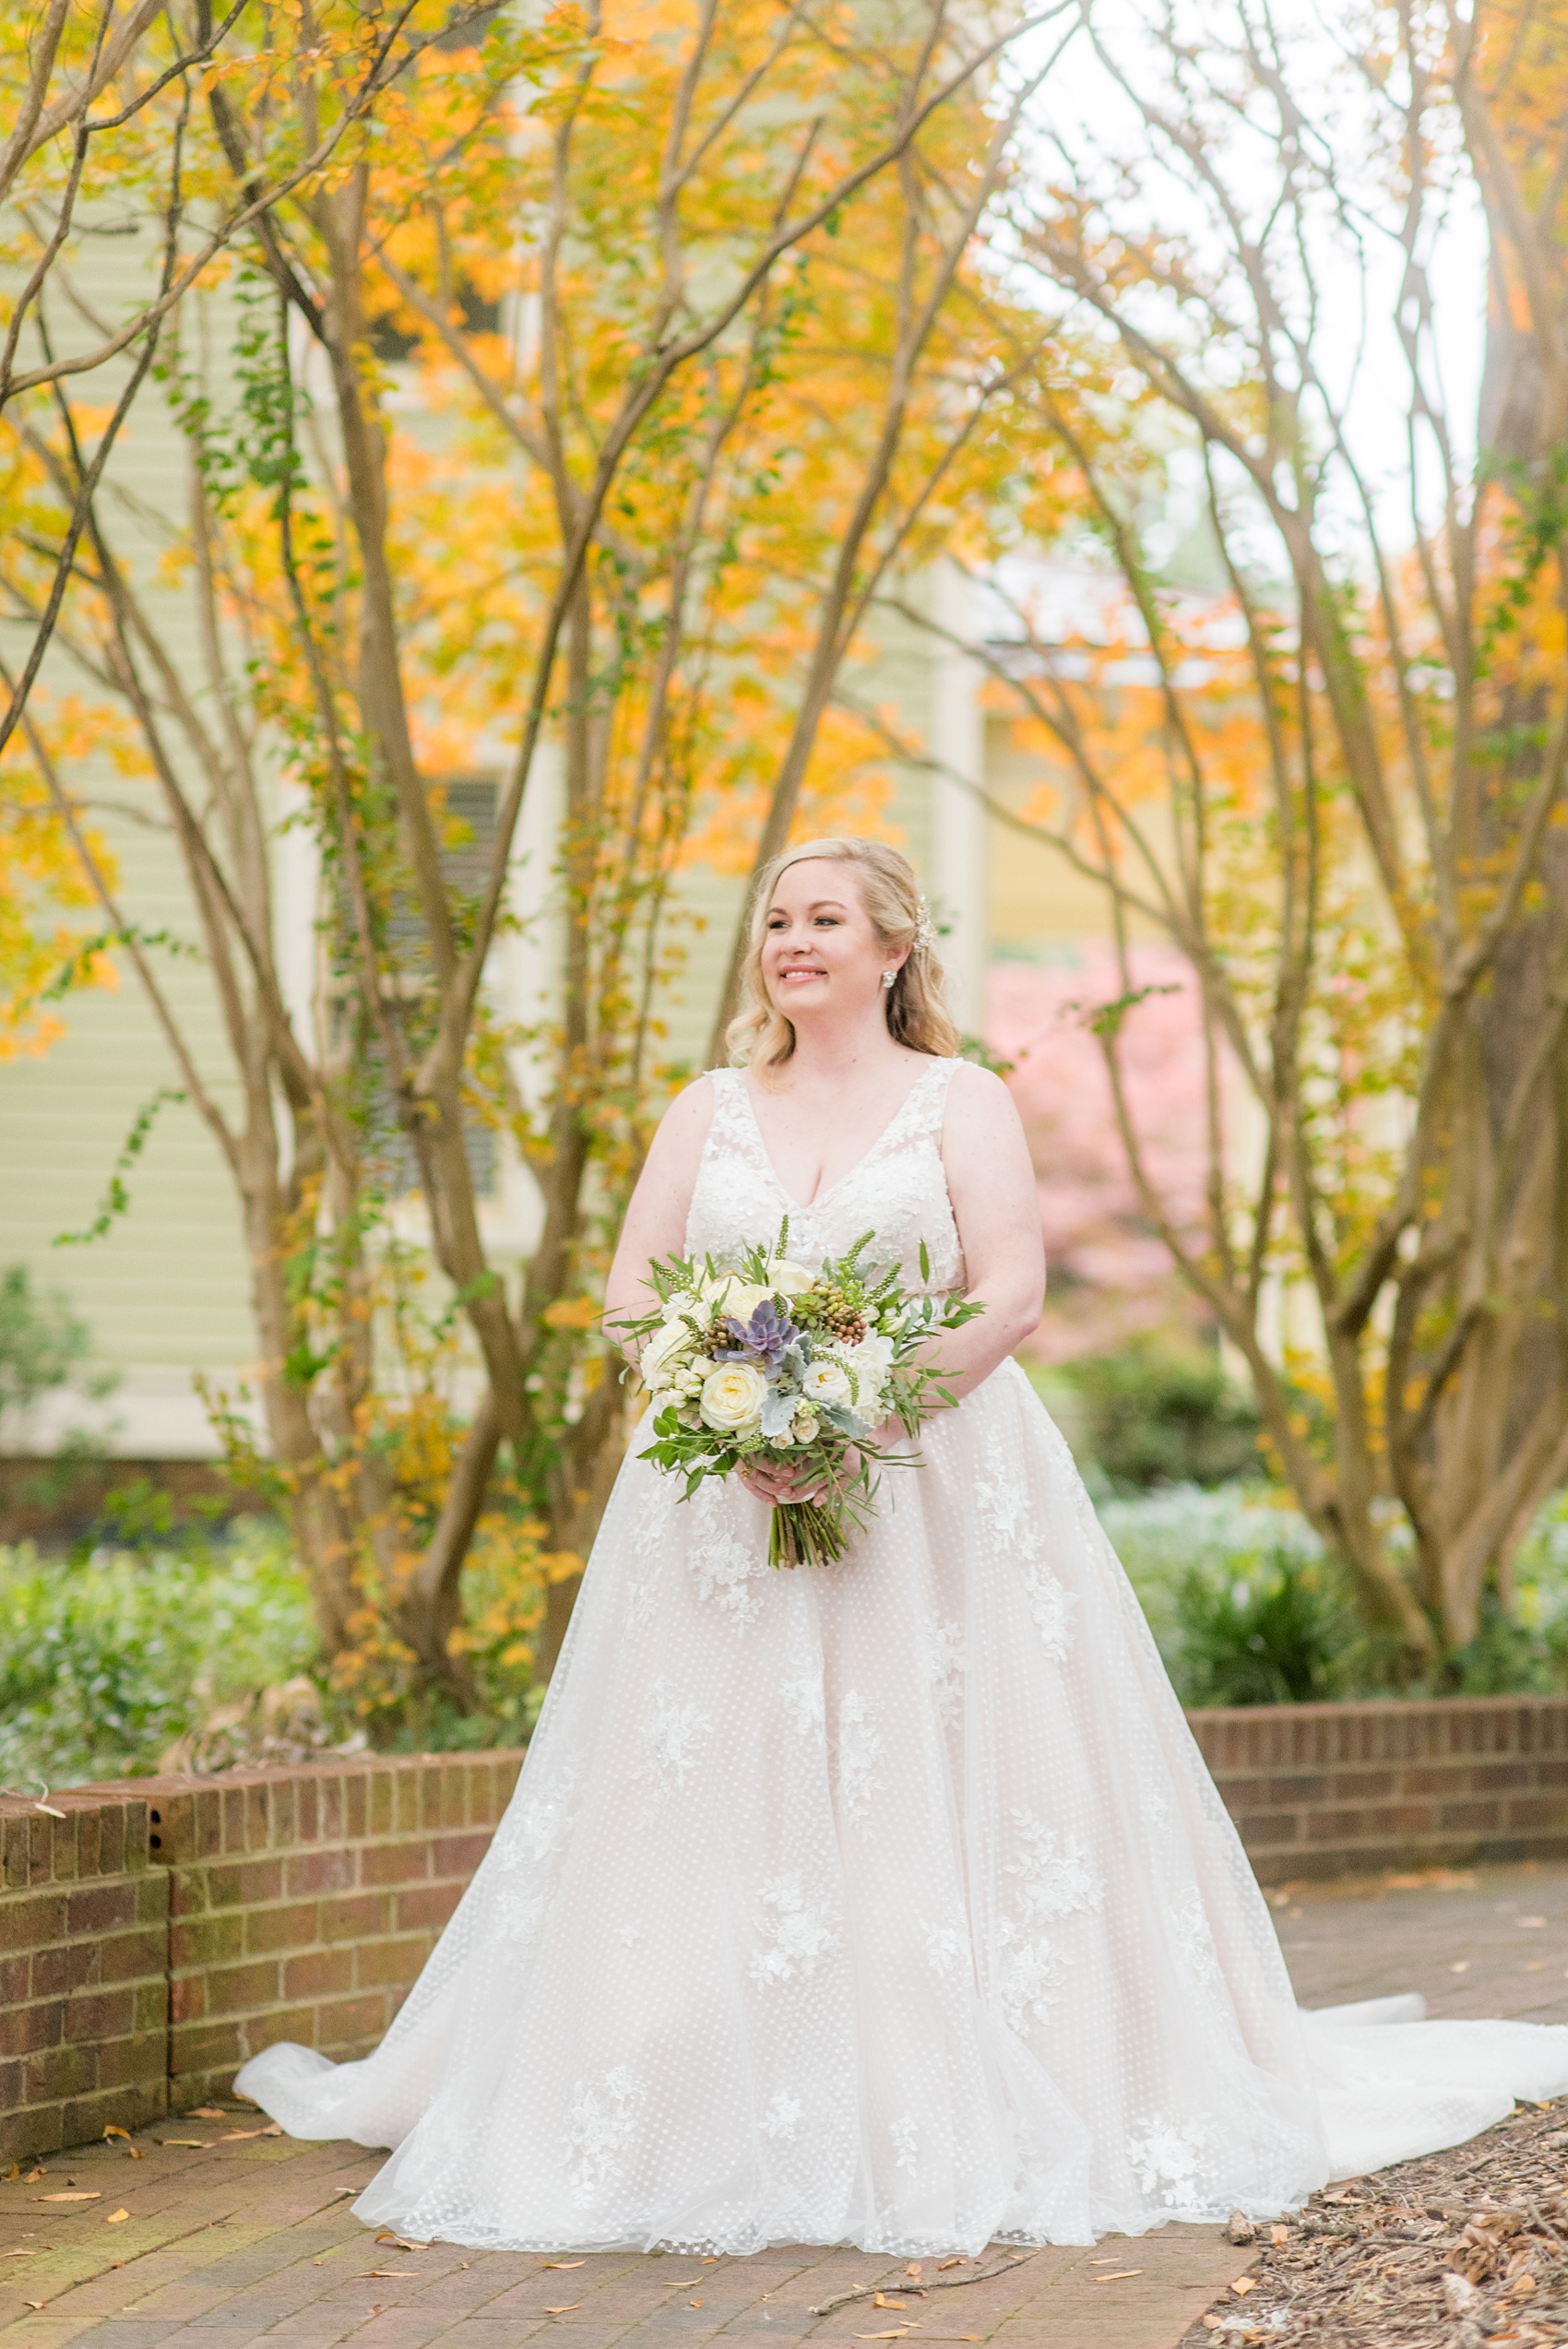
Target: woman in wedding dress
887, 1903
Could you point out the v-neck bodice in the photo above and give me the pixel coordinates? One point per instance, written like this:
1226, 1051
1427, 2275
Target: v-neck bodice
897, 1190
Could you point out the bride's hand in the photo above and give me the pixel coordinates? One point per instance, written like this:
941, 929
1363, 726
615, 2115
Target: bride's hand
780, 1481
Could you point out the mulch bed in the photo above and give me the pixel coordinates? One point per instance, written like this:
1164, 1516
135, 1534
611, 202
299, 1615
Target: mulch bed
1466, 2249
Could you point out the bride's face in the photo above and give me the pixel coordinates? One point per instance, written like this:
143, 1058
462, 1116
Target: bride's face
821, 954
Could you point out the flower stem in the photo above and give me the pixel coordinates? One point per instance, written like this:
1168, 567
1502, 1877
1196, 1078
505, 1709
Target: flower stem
804, 1533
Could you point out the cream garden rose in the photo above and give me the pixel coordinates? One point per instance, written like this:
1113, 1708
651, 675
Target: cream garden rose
730, 1294
790, 1280
732, 1398
659, 1363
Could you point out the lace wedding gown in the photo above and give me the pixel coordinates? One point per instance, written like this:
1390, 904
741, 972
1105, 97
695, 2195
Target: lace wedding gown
888, 1903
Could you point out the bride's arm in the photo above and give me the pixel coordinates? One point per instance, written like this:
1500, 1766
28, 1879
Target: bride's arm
996, 1206
655, 1219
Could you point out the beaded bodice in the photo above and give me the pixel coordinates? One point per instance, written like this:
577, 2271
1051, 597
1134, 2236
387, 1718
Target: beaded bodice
898, 1190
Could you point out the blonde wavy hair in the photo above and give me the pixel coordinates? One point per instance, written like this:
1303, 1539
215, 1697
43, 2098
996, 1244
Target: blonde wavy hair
759, 1037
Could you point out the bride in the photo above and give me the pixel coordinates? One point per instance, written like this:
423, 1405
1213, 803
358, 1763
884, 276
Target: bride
889, 1903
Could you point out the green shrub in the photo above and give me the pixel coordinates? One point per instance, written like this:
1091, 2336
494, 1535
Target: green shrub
1244, 1605
44, 1349
106, 1660
1278, 1632
1155, 1413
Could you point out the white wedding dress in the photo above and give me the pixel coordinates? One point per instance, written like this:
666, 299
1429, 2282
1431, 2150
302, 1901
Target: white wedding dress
887, 1903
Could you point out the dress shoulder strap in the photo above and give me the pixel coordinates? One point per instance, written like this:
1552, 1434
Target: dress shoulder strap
731, 1127
927, 1103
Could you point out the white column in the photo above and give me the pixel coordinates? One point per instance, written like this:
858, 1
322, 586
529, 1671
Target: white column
956, 882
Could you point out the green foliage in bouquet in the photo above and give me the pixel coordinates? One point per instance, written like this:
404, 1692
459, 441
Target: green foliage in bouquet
771, 1362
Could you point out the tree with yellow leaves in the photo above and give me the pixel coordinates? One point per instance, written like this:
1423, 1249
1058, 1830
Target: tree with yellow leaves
567, 425
95, 103
1334, 777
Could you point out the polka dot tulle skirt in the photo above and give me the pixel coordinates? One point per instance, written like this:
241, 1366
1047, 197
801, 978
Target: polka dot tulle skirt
887, 1903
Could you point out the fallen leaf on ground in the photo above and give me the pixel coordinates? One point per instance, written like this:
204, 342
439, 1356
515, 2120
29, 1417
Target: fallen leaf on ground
70, 2197
682, 2283
112, 2129
563, 2263
1280, 2235
566, 2310
913, 2269
206, 2112
16, 2255
197, 2145
942, 2265
1213, 2324
897, 2334
400, 2241
882, 2301
1118, 2275
232, 2136
32, 2174
35, 2303
366, 2273
1245, 2284
115, 2217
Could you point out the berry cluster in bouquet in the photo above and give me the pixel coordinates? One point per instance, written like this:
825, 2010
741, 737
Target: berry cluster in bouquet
775, 1364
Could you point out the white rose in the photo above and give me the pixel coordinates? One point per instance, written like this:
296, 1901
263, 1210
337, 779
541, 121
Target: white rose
824, 1382
660, 1365
732, 1398
805, 1429
728, 1293
871, 1361
790, 1280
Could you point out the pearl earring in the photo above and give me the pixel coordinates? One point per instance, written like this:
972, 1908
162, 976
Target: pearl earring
888, 977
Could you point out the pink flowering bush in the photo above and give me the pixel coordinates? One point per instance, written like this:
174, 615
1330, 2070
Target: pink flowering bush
1112, 1275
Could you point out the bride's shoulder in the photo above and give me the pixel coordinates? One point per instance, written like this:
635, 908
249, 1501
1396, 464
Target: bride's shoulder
979, 1110
974, 1089
684, 1129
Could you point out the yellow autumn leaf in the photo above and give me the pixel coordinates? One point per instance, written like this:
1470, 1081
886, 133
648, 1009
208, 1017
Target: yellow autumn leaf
571, 1314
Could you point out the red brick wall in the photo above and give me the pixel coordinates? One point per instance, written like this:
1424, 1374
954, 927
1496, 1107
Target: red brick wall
1328, 1789
166, 1928
84, 1998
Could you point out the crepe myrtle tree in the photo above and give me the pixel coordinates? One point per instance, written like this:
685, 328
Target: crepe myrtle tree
581, 407
1316, 739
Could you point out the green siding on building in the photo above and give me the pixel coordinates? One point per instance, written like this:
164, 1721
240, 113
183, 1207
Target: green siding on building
164, 1293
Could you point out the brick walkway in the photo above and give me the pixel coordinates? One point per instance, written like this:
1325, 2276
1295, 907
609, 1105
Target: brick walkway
246, 2238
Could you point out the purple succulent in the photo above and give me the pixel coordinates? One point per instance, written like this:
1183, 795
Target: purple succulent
765, 1339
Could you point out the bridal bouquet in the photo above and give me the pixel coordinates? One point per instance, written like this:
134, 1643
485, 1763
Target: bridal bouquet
776, 1364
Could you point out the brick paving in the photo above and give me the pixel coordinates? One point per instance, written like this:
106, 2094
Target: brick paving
245, 2239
